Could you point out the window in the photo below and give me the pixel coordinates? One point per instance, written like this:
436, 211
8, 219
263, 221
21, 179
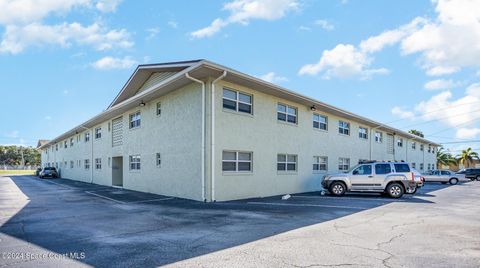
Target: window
109, 127
378, 136
343, 164
382, 169
65, 144
71, 142
320, 121
343, 128
87, 136
428, 166
87, 163
414, 165
320, 163
159, 108
286, 162
65, 164
400, 142
235, 161
135, 119
444, 172
286, 113
363, 170
56, 147
158, 160
433, 150
362, 133
237, 101
421, 148
414, 145
134, 162
429, 148
98, 133
98, 163
401, 168
421, 166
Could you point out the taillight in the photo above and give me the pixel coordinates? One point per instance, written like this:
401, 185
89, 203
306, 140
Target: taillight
413, 176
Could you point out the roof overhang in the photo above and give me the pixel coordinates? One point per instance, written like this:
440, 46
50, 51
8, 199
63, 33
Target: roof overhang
203, 69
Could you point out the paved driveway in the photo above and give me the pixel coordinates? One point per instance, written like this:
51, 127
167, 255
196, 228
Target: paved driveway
41, 220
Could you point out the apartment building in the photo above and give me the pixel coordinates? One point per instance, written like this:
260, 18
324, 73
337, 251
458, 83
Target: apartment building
203, 131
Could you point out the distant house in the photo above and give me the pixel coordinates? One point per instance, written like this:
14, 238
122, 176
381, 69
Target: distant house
203, 131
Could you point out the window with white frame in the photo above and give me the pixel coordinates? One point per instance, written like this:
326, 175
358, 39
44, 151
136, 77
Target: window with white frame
135, 120
98, 133
363, 133
287, 162
159, 108
286, 113
98, 163
429, 148
428, 166
343, 128
433, 149
414, 165
56, 147
87, 164
320, 163
65, 144
378, 136
87, 136
414, 145
71, 164
400, 142
421, 166
421, 147
237, 161
237, 101
158, 160
320, 122
134, 161
71, 142
343, 164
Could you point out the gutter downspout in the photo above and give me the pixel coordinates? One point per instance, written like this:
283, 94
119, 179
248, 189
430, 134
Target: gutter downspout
212, 162
203, 132
91, 155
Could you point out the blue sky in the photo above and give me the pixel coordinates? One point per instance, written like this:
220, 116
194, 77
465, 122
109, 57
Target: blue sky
411, 62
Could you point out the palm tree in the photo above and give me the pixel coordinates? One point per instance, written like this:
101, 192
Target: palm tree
466, 157
444, 158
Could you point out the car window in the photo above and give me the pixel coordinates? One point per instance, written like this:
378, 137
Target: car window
402, 168
445, 172
363, 170
382, 169
435, 172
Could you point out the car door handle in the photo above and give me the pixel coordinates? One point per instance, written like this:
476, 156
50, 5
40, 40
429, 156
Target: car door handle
370, 176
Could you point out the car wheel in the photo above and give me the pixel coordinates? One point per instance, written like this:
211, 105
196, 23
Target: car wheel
338, 188
478, 178
395, 190
412, 190
453, 181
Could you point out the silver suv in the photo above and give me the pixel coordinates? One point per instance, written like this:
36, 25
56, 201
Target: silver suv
393, 178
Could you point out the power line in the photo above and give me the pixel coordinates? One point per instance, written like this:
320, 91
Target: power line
438, 119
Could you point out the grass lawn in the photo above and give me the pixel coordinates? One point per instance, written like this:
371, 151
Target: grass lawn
17, 172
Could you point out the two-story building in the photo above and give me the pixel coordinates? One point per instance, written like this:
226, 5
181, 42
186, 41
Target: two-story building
203, 131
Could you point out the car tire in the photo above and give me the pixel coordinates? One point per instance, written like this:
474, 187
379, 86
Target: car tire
478, 178
410, 191
338, 188
453, 181
395, 190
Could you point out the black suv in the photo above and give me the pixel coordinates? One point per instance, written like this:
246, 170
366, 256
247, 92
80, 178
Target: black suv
471, 173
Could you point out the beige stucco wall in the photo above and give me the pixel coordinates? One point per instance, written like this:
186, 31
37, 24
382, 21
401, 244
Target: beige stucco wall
176, 135
265, 136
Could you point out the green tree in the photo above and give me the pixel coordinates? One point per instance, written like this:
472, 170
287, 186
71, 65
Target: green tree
444, 158
416, 133
466, 157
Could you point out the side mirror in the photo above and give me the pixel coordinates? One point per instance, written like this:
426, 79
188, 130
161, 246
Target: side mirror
355, 172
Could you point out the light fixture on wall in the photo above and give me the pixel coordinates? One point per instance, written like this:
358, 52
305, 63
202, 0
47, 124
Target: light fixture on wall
313, 108
142, 104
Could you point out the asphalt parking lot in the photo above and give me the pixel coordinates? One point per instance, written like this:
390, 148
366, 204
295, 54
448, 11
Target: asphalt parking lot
41, 220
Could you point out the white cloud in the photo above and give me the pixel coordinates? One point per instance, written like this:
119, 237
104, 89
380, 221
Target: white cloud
456, 113
398, 111
440, 84
109, 63
342, 61
17, 38
467, 133
152, 33
304, 28
242, 11
324, 24
173, 24
107, 5
272, 77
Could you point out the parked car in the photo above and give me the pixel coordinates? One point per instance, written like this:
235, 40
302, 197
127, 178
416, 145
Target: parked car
471, 173
48, 172
393, 178
444, 176
37, 172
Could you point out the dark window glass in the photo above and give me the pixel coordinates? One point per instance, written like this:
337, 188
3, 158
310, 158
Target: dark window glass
228, 166
281, 166
282, 117
363, 170
229, 104
292, 119
382, 169
291, 167
244, 166
246, 108
402, 168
